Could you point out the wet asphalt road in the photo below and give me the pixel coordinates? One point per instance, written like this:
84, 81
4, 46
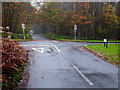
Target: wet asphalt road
56, 64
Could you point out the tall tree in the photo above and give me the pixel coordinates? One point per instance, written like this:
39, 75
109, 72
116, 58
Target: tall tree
14, 14
85, 18
110, 20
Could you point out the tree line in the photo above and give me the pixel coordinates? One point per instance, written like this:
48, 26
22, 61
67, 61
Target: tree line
94, 20
16, 13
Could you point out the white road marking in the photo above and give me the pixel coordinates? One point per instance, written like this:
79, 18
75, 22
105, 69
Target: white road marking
57, 48
24, 45
55, 41
44, 46
41, 50
37, 45
83, 75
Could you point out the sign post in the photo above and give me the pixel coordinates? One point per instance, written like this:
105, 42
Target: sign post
105, 43
75, 31
31, 32
23, 27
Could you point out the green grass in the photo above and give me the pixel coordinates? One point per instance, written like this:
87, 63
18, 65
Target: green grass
15, 78
86, 40
68, 38
110, 53
22, 39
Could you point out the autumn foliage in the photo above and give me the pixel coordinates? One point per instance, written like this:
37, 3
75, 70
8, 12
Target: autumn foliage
83, 16
14, 58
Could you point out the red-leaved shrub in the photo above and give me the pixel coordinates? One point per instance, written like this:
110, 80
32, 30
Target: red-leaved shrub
14, 58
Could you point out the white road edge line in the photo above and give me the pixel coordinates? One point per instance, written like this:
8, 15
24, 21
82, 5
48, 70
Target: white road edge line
57, 48
83, 75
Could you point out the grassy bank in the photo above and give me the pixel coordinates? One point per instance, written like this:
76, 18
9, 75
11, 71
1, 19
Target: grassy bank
22, 39
86, 40
110, 53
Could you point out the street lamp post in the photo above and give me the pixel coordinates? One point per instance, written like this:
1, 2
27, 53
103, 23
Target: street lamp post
75, 30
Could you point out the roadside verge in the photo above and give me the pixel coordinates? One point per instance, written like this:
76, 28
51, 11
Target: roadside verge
98, 55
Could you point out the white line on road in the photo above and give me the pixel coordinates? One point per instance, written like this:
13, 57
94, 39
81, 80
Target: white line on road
24, 45
54, 41
57, 48
82, 75
41, 50
27, 45
44, 46
37, 45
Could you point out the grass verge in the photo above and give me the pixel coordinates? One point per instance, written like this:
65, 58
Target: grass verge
67, 38
86, 40
110, 53
22, 39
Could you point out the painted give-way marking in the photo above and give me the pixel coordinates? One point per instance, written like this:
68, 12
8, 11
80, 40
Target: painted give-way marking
41, 50
43, 46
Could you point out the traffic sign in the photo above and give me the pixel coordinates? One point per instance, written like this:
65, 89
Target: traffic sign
75, 30
105, 40
31, 31
23, 25
75, 26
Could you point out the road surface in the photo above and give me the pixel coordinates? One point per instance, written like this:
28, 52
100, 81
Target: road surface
56, 64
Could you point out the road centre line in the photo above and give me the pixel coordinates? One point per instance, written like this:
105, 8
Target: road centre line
78, 71
82, 75
42, 50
